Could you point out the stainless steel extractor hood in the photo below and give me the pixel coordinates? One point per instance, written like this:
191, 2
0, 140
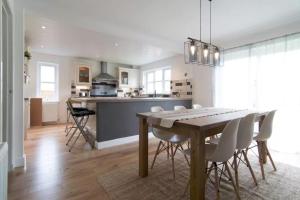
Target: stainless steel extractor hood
104, 76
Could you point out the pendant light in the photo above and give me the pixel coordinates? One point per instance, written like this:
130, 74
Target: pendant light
199, 52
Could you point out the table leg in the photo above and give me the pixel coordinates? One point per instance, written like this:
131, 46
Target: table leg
197, 170
260, 147
143, 147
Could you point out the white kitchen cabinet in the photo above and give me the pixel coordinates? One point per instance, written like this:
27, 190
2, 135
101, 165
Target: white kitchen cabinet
83, 74
128, 78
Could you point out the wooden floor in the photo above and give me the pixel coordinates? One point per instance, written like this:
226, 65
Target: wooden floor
54, 173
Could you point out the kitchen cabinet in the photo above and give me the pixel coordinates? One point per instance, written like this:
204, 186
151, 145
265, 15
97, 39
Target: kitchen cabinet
83, 74
128, 78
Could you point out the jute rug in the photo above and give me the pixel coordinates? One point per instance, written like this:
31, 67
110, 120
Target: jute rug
125, 184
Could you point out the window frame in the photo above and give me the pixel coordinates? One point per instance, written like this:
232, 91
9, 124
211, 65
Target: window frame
153, 70
56, 82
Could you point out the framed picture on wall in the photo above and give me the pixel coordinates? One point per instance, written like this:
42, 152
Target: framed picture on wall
83, 74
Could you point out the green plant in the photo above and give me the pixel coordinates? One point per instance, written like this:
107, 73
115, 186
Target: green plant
27, 54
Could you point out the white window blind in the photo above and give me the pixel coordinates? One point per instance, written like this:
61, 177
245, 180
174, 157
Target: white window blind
265, 76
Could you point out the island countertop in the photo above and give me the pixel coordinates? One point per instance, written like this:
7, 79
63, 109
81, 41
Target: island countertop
127, 99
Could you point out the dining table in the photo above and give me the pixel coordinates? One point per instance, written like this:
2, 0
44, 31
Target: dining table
198, 125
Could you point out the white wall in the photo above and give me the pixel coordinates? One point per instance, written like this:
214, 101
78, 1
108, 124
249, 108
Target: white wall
202, 77
66, 71
18, 156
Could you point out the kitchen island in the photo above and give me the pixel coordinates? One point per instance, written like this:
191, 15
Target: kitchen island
116, 117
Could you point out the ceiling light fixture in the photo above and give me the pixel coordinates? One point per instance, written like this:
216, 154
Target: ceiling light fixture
202, 53
116, 44
42, 46
43, 27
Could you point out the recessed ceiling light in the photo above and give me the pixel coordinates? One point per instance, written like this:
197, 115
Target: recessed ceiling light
116, 44
43, 27
42, 46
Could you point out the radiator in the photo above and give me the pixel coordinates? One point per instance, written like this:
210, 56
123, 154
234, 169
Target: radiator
3, 170
50, 111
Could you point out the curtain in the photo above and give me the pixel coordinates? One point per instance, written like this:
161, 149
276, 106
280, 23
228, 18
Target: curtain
265, 76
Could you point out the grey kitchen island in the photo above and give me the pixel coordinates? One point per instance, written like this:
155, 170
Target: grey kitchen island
116, 117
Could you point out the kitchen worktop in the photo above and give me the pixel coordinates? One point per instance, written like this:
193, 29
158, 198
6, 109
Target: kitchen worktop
127, 99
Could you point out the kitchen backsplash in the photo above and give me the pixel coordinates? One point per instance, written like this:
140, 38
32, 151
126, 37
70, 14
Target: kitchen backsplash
182, 88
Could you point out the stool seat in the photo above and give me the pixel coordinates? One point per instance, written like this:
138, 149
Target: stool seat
83, 113
79, 109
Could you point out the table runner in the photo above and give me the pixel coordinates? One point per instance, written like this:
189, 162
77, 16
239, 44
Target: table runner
167, 118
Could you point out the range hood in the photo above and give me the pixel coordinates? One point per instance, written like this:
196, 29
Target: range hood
104, 76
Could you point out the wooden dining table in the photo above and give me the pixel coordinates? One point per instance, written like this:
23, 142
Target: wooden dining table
198, 129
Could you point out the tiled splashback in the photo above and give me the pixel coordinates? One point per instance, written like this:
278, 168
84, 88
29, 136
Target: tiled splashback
182, 88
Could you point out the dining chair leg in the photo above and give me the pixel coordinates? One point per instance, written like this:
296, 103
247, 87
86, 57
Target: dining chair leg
270, 157
216, 180
232, 180
185, 156
209, 171
156, 154
261, 163
236, 170
168, 150
172, 157
249, 166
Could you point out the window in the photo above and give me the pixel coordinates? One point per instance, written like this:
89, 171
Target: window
48, 81
157, 80
265, 76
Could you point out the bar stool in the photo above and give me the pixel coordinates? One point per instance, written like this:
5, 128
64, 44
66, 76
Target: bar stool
80, 117
69, 128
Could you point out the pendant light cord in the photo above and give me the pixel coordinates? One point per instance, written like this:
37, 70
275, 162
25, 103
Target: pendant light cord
209, 21
200, 19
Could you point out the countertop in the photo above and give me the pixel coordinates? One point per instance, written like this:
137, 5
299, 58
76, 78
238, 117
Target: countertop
127, 99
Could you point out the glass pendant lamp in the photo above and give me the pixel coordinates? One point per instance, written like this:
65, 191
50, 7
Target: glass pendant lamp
202, 53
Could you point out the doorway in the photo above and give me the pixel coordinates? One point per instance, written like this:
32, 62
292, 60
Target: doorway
6, 75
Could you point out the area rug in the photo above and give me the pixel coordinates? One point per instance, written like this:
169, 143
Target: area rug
125, 184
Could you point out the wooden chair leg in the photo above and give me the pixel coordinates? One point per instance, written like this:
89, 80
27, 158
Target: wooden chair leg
156, 154
209, 171
261, 162
236, 170
270, 157
172, 157
216, 180
168, 150
249, 166
186, 158
232, 180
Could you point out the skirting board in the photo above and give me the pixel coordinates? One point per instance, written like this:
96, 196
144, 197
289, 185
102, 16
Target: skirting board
119, 141
20, 162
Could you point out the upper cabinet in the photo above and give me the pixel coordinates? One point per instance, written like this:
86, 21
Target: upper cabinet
128, 77
83, 74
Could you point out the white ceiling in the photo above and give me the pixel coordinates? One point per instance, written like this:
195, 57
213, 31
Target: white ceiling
149, 30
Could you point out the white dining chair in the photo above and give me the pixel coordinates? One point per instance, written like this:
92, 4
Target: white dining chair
220, 153
179, 108
261, 138
168, 140
244, 140
197, 106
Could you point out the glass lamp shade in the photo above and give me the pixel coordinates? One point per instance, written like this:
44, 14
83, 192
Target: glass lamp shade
204, 58
190, 52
